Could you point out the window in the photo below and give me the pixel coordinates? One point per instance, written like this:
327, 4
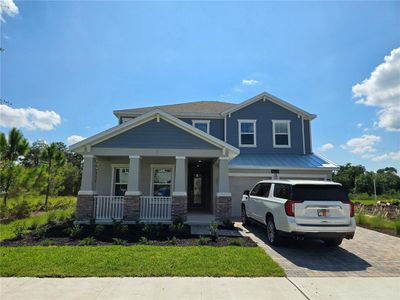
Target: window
309, 192
162, 180
282, 191
247, 133
261, 190
281, 133
203, 125
120, 181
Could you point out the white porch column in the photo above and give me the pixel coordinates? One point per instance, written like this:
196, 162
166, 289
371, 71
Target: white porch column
223, 178
180, 177
133, 179
88, 184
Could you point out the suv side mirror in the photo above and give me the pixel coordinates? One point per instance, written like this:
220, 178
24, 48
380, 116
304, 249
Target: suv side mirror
246, 192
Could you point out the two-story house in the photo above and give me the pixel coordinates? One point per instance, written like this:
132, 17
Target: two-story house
193, 160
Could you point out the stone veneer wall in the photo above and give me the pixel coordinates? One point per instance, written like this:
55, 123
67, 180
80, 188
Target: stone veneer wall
132, 208
223, 208
84, 207
179, 207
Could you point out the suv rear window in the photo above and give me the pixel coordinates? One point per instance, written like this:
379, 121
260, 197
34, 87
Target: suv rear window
311, 192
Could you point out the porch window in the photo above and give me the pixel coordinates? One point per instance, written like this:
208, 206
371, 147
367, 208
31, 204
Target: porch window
203, 125
247, 133
162, 180
281, 133
120, 181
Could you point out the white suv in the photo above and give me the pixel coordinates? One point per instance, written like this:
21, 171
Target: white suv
300, 209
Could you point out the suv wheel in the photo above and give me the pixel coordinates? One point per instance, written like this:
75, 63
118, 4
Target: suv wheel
272, 235
245, 220
333, 242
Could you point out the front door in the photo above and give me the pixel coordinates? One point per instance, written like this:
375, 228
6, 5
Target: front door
198, 186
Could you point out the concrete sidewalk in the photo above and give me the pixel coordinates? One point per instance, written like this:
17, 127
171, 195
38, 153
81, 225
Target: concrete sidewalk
200, 288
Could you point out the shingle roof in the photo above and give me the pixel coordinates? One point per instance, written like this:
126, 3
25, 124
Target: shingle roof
280, 160
201, 107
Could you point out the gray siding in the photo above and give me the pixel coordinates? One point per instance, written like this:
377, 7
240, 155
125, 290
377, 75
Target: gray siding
216, 126
156, 135
264, 112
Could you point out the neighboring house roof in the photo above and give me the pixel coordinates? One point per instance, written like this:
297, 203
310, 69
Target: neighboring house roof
155, 114
198, 107
213, 109
281, 161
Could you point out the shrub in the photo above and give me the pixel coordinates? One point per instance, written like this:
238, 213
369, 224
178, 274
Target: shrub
4, 211
151, 230
397, 227
89, 241
34, 224
178, 220
361, 218
118, 241
177, 229
19, 230
75, 231
40, 232
46, 243
213, 229
173, 240
228, 224
235, 242
52, 218
99, 230
203, 240
143, 240
119, 228
20, 210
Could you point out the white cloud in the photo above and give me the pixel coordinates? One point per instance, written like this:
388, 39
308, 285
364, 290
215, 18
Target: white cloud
387, 156
326, 147
362, 145
359, 125
29, 118
8, 7
73, 139
382, 90
250, 82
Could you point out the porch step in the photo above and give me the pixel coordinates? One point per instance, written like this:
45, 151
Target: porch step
203, 230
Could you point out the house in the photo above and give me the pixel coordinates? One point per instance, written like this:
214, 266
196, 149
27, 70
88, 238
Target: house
193, 160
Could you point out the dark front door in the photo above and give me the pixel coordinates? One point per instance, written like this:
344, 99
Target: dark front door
199, 179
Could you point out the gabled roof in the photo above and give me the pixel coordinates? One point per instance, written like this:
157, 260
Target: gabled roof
276, 100
155, 114
198, 107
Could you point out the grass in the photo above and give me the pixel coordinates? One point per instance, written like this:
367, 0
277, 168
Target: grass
37, 201
7, 230
141, 260
378, 222
373, 202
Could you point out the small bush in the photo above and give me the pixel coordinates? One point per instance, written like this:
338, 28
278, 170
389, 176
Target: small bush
52, 218
4, 211
119, 228
361, 218
177, 229
151, 231
228, 224
99, 230
213, 229
143, 240
46, 243
89, 241
235, 242
173, 241
40, 232
203, 240
120, 242
34, 225
20, 210
178, 220
75, 231
19, 230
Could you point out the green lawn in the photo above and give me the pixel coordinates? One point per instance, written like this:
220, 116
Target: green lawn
6, 230
143, 260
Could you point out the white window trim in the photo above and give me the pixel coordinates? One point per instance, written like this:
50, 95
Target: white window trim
240, 121
157, 166
194, 122
289, 145
113, 167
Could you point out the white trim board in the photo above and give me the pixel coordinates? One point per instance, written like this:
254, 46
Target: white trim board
280, 175
207, 122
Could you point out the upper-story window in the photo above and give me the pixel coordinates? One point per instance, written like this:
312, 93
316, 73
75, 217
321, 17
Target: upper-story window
281, 133
203, 125
247, 133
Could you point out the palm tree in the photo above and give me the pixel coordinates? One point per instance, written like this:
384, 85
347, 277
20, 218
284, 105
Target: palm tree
10, 151
54, 158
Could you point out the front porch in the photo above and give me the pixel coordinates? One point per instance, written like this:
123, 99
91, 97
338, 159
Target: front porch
151, 189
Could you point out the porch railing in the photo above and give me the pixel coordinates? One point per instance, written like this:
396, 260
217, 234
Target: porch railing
155, 209
108, 208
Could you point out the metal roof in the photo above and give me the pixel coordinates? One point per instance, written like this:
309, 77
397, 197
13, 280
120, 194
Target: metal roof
279, 161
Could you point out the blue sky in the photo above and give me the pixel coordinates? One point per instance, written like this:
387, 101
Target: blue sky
75, 62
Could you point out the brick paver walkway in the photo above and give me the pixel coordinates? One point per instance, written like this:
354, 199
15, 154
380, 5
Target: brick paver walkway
370, 253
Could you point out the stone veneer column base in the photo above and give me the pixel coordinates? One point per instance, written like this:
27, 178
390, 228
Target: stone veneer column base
223, 208
132, 208
179, 207
84, 207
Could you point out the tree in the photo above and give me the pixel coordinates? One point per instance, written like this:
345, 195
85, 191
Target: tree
364, 183
347, 175
54, 158
32, 158
10, 152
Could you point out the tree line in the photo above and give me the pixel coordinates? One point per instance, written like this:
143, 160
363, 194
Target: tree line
40, 168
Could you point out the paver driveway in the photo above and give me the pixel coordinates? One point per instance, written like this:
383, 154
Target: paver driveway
370, 253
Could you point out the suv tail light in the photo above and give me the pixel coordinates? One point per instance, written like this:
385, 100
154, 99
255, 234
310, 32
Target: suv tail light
289, 207
351, 209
